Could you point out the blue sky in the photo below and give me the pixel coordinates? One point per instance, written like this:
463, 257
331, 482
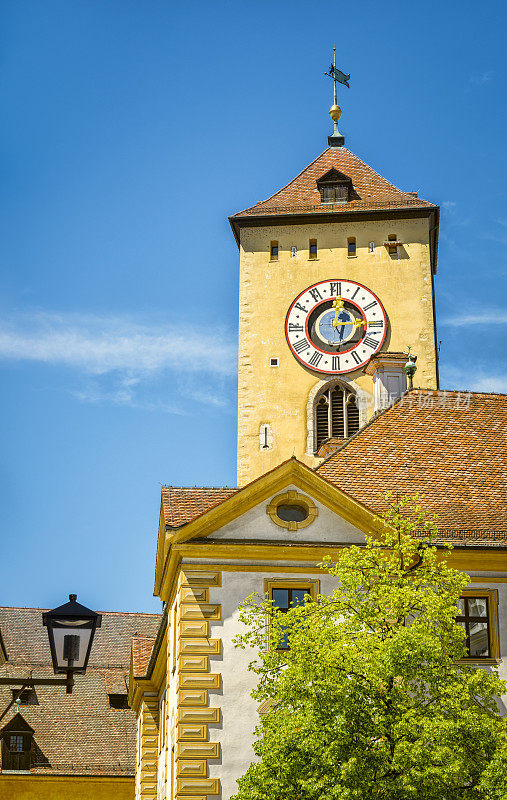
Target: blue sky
131, 130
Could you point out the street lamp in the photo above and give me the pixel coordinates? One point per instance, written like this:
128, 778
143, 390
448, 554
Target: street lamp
71, 629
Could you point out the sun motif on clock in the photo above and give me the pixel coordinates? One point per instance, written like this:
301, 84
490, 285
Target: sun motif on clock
335, 326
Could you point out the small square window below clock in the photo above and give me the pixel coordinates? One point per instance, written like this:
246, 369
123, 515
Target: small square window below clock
273, 362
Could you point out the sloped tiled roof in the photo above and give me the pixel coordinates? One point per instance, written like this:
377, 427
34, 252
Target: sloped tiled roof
181, 504
76, 733
450, 447
141, 652
370, 191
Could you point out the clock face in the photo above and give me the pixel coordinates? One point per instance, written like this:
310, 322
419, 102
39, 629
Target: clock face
335, 326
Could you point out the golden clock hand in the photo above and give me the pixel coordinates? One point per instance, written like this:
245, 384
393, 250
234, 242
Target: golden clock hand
338, 305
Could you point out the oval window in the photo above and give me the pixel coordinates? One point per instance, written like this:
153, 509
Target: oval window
291, 512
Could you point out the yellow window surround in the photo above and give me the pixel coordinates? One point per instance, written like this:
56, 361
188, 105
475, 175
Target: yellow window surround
292, 498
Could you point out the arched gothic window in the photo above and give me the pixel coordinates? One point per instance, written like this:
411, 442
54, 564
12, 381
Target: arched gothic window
336, 415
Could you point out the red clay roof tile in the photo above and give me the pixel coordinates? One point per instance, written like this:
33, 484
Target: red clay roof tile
78, 733
141, 652
181, 504
369, 189
447, 446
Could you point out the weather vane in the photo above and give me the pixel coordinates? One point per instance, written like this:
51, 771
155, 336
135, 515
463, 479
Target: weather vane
336, 139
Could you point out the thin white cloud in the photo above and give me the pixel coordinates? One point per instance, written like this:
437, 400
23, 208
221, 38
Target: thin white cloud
99, 345
472, 378
490, 383
117, 357
492, 317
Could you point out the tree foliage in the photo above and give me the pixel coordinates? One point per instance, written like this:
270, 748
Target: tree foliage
373, 699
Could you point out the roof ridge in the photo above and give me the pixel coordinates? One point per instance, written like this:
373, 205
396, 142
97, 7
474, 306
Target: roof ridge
379, 175
359, 162
122, 613
238, 213
170, 486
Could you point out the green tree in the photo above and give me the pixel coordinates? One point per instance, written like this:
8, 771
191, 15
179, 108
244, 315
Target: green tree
372, 699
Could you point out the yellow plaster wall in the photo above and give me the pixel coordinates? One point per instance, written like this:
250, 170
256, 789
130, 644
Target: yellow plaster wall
279, 395
50, 787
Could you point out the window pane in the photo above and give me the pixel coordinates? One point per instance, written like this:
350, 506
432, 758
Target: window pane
298, 597
461, 605
16, 744
281, 598
479, 639
291, 513
478, 606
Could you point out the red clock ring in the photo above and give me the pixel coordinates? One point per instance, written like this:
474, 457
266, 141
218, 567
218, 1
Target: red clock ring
319, 283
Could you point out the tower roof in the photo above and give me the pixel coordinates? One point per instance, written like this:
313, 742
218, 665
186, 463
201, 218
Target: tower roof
369, 190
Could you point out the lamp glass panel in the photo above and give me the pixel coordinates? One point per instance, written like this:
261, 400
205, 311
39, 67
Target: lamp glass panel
84, 639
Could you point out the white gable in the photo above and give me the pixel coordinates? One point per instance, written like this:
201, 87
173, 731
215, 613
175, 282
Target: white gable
257, 525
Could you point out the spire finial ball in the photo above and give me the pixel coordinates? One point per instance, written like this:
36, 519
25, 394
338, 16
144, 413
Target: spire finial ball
335, 113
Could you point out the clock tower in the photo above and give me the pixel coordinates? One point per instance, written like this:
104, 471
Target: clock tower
336, 281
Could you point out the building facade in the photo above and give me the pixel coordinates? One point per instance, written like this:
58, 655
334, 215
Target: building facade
339, 229
336, 280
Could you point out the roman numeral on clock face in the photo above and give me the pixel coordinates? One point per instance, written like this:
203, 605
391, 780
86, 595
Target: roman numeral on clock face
335, 287
293, 327
315, 359
370, 342
301, 308
335, 363
304, 344
370, 305
355, 357
316, 294
377, 323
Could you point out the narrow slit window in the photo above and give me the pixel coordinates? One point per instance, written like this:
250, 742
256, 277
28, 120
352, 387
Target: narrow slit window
393, 248
351, 246
312, 255
273, 251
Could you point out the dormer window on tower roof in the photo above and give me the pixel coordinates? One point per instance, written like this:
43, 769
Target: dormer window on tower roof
334, 187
